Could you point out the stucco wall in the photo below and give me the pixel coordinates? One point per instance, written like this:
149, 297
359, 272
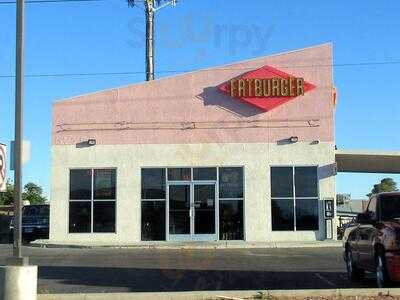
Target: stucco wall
190, 109
128, 159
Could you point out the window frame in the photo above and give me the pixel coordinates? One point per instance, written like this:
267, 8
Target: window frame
294, 198
193, 181
92, 200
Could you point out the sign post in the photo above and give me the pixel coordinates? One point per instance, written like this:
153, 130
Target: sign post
18, 280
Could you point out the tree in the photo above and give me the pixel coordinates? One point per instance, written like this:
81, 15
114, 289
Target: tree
7, 197
32, 193
150, 7
386, 185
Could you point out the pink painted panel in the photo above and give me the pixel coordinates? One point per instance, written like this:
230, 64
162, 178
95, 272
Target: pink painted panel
189, 108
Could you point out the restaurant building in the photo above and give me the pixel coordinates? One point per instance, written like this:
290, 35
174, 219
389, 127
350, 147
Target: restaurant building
244, 152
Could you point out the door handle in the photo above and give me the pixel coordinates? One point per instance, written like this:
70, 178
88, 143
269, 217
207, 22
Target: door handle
190, 213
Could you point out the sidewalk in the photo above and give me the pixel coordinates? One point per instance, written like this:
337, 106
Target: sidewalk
191, 245
233, 295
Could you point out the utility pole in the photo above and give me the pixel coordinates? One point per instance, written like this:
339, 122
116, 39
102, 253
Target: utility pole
150, 8
19, 105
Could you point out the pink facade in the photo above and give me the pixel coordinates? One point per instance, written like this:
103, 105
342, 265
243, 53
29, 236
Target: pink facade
190, 108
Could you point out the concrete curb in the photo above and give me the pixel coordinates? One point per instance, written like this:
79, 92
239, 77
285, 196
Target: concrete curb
192, 246
213, 295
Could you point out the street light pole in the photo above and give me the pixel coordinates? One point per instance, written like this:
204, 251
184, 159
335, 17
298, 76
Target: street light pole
19, 100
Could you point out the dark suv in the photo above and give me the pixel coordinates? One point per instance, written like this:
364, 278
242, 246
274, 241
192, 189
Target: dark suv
373, 243
35, 223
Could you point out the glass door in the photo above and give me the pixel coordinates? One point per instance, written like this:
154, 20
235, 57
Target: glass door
180, 213
192, 212
204, 212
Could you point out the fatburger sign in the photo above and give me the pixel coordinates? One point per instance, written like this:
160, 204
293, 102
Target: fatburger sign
2, 168
266, 87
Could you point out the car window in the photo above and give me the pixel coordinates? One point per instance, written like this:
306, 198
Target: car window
390, 207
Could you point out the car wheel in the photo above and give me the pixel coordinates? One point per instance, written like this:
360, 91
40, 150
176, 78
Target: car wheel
353, 272
382, 277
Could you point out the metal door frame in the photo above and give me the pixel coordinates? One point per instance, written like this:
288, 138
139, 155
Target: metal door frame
192, 236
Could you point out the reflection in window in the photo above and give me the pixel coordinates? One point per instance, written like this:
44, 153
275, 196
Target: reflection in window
179, 209
104, 184
95, 186
307, 214
205, 174
80, 184
282, 182
231, 220
153, 220
282, 214
294, 211
204, 205
231, 182
306, 181
104, 216
153, 183
179, 174
80, 217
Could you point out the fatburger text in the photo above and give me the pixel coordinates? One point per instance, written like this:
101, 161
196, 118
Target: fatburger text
270, 87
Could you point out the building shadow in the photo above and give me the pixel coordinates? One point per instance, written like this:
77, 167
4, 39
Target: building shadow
94, 279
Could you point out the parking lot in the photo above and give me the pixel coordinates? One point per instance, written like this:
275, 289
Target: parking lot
145, 270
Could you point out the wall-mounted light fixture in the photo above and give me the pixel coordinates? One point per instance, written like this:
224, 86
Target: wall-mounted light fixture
294, 139
87, 143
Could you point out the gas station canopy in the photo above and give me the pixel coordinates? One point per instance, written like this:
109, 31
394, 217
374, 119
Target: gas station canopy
367, 161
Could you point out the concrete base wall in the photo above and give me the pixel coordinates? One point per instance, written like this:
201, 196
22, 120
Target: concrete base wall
256, 158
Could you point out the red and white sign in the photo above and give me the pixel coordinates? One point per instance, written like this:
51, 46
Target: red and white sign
2, 168
266, 87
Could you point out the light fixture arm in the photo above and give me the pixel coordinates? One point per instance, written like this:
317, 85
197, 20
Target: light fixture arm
172, 3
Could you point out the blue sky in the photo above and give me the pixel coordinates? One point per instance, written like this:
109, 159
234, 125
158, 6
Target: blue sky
107, 36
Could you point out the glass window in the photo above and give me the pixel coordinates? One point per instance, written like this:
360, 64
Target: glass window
96, 186
104, 216
153, 220
205, 174
104, 184
179, 174
231, 182
306, 181
79, 216
282, 214
291, 211
307, 214
231, 220
153, 183
282, 182
80, 184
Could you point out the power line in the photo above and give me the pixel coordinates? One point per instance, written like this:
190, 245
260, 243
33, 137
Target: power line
39, 75
49, 1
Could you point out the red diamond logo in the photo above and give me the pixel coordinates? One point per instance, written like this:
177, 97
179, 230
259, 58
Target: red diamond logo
266, 87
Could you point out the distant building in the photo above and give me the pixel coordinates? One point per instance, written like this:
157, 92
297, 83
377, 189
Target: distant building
352, 207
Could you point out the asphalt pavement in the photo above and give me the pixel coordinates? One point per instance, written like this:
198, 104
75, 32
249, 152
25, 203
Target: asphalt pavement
66, 270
